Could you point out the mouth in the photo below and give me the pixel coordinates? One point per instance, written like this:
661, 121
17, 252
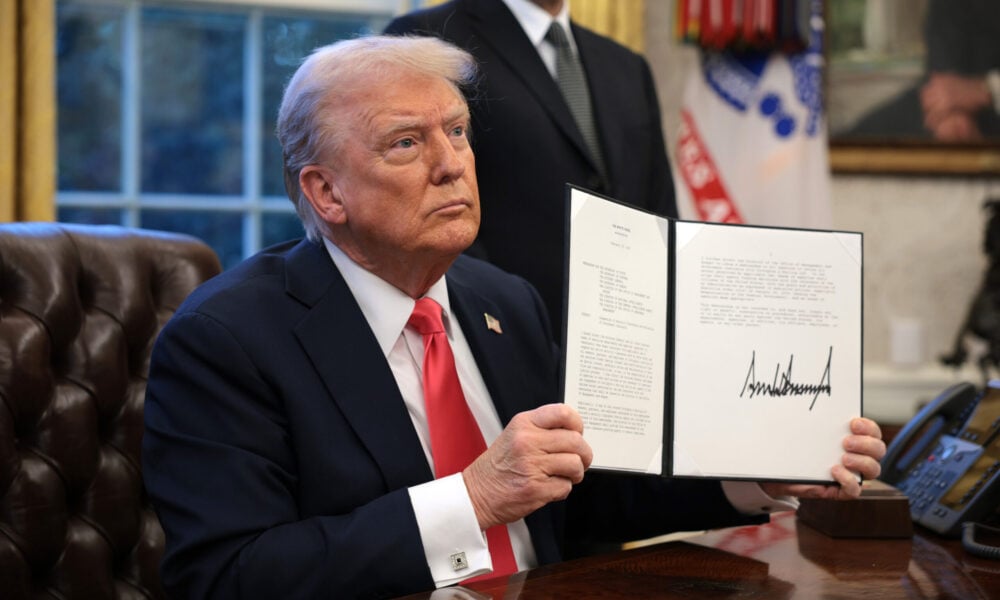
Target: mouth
453, 206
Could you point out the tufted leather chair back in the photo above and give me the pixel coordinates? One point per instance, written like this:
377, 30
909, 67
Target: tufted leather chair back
80, 307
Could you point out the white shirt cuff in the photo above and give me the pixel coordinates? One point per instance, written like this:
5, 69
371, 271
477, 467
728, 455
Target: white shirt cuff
993, 85
748, 498
454, 546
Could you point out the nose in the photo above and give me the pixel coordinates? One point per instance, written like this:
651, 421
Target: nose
447, 162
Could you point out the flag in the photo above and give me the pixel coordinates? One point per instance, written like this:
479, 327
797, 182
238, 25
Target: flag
752, 146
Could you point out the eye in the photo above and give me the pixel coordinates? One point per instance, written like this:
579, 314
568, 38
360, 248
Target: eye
458, 131
405, 143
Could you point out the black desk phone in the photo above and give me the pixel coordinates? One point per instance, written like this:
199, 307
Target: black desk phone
947, 459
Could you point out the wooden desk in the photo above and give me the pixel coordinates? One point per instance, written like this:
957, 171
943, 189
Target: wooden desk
783, 559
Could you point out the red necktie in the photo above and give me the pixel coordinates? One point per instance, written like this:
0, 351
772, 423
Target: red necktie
455, 437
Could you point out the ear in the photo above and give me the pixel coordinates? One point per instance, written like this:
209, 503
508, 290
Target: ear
319, 186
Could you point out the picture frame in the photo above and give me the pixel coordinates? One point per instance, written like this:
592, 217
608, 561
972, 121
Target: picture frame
881, 55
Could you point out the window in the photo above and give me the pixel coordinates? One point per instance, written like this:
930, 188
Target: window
167, 111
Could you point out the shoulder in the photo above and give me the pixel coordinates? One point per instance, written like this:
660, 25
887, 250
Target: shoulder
257, 304
260, 277
625, 74
427, 21
606, 52
481, 275
591, 40
489, 281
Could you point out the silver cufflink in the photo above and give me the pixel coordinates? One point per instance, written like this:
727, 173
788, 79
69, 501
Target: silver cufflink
458, 561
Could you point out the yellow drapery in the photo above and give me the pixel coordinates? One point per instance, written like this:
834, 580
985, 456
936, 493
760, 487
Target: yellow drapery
620, 20
27, 110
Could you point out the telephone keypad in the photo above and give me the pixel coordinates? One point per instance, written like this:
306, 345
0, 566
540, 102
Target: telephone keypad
927, 481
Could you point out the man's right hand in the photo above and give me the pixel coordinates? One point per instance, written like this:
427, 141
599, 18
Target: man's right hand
535, 460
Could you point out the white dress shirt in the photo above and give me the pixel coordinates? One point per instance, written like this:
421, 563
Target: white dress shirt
444, 512
535, 22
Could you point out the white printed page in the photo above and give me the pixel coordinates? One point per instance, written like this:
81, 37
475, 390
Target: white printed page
616, 338
768, 351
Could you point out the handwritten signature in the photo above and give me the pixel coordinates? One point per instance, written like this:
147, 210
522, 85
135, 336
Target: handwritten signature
785, 385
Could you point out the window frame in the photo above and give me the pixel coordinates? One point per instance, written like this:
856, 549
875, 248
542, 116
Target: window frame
252, 203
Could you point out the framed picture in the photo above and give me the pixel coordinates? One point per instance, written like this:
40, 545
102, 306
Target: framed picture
913, 86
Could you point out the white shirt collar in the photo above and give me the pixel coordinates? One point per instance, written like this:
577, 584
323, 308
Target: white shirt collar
535, 21
385, 307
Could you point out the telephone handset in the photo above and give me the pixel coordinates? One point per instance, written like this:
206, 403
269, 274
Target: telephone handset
947, 459
943, 415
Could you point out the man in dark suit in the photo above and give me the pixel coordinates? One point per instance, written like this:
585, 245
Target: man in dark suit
289, 451
527, 143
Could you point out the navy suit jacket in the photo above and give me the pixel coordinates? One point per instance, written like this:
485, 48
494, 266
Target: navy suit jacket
528, 146
278, 449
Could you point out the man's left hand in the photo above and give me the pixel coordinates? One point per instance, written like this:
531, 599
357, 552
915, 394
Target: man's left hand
864, 449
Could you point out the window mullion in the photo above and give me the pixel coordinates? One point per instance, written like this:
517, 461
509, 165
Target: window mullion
253, 91
131, 112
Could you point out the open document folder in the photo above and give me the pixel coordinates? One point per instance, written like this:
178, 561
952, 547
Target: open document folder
711, 350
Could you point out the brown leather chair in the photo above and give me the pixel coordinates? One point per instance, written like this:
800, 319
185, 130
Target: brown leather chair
80, 307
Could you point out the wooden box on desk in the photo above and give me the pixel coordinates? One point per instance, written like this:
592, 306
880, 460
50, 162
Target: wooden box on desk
882, 511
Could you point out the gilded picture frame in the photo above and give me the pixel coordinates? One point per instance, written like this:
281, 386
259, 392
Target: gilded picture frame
882, 56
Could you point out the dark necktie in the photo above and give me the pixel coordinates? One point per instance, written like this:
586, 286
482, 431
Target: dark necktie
455, 436
573, 84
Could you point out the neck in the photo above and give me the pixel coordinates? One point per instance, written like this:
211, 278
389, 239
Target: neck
415, 283
551, 6
413, 273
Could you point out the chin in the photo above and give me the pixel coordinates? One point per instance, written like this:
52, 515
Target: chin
460, 246
464, 233
456, 244
452, 235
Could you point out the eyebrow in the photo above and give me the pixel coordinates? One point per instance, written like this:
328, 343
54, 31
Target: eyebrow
406, 121
460, 112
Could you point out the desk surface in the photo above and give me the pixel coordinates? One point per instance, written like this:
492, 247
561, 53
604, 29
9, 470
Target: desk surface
783, 559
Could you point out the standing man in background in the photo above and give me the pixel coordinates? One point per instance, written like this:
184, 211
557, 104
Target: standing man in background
530, 139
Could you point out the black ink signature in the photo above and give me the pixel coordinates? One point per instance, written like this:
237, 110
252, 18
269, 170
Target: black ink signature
787, 386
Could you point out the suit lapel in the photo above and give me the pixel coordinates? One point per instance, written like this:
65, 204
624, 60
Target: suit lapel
494, 24
336, 338
497, 357
341, 346
494, 353
603, 97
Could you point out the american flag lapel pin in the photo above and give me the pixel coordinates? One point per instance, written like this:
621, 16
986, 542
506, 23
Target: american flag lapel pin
492, 323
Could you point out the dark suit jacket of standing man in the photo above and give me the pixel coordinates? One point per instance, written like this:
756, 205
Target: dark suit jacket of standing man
528, 147
292, 481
